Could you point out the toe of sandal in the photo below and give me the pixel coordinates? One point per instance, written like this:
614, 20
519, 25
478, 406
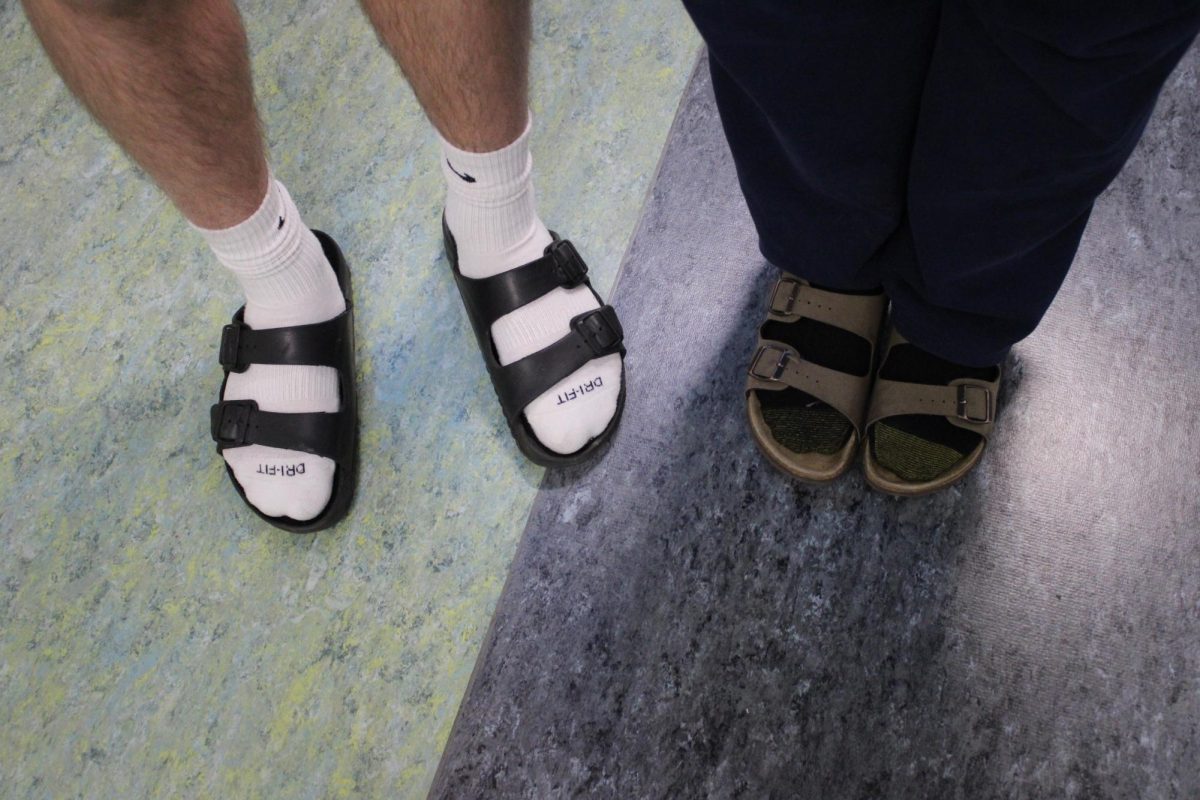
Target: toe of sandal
777, 366
238, 423
592, 335
966, 403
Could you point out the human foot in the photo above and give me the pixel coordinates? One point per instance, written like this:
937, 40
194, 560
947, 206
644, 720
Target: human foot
492, 229
809, 381
294, 334
929, 419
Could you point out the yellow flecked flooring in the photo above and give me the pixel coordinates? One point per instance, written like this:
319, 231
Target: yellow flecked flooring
158, 639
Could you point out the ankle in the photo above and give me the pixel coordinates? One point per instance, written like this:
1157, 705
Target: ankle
912, 363
279, 264
491, 208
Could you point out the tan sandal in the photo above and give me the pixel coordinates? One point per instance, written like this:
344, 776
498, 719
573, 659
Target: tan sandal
966, 403
777, 366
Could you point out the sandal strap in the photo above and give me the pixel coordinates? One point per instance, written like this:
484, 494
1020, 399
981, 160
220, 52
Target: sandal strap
793, 299
593, 334
777, 366
967, 403
238, 423
501, 294
317, 345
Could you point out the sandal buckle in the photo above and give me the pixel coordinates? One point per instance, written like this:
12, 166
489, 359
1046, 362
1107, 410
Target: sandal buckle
568, 264
775, 373
962, 411
788, 305
231, 342
600, 329
230, 422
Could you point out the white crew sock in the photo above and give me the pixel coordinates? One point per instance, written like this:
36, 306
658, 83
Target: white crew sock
491, 212
288, 281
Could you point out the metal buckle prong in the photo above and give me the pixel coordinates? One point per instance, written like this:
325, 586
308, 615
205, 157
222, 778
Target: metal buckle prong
961, 406
780, 367
792, 296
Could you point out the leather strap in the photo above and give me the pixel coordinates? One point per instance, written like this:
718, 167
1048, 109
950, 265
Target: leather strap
777, 366
793, 299
502, 294
967, 402
237, 423
316, 345
594, 334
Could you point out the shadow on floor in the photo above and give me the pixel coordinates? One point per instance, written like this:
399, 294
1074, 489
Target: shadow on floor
685, 622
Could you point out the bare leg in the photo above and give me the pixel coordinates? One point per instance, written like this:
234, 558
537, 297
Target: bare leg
468, 63
466, 60
170, 81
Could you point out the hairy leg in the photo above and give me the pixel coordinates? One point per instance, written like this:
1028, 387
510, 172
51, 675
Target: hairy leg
468, 63
170, 81
466, 60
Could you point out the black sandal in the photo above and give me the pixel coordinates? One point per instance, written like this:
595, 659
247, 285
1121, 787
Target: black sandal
237, 423
593, 334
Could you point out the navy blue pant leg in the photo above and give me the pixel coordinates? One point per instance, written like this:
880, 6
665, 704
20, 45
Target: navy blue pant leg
819, 102
1030, 109
951, 151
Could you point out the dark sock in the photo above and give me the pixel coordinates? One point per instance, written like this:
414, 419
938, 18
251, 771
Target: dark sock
797, 420
920, 447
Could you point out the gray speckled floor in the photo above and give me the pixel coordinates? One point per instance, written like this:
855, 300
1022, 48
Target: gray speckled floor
682, 621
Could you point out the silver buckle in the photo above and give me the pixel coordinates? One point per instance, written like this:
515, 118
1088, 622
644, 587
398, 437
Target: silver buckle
961, 409
792, 296
780, 363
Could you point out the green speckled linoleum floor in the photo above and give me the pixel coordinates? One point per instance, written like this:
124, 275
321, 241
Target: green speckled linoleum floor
159, 640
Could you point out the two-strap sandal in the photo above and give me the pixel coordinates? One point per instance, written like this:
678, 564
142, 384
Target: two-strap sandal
806, 417
592, 335
238, 423
905, 421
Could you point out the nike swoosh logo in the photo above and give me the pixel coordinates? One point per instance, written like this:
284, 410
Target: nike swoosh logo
462, 175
